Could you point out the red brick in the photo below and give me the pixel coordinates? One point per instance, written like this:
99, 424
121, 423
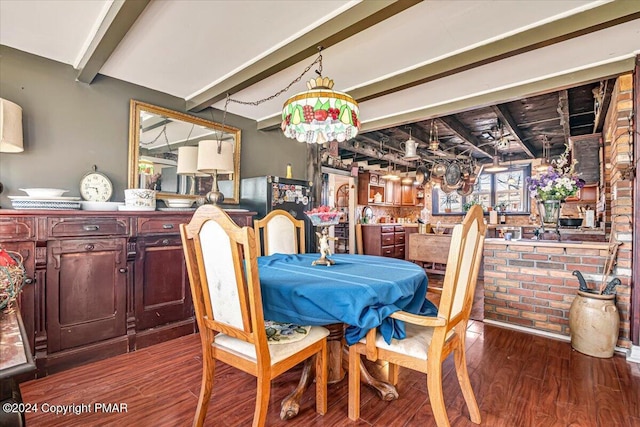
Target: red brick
507, 297
521, 277
508, 269
508, 255
548, 296
495, 274
524, 292
521, 248
545, 250
584, 268
519, 306
535, 316
535, 287
565, 259
549, 280
535, 301
495, 261
495, 302
507, 311
508, 283
536, 257
550, 311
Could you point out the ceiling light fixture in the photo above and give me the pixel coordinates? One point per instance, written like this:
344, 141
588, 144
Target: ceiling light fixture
316, 116
544, 164
433, 137
496, 166
320, 114
410, 148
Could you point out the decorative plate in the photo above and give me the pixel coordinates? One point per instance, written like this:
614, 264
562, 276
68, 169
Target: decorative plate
177, 209
44, 199
45, 204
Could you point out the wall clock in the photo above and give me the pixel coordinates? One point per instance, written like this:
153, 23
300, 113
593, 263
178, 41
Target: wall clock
96, 186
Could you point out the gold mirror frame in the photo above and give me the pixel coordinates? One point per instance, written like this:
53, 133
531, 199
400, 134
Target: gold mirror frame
137, 108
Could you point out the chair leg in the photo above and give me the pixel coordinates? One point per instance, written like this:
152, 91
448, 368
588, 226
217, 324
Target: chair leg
354, 383
394, 372
465, 384
321, 380
262, 400
208, 370
434, 386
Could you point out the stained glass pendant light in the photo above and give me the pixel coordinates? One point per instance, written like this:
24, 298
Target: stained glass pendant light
320, 114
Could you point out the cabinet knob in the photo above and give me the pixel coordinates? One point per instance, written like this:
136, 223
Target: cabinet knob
167, 226
165, 242
91, 227
89, 247
29, 281
123, 270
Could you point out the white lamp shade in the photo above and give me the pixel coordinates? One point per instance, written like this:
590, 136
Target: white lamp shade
210, 161
188, 161
10, 127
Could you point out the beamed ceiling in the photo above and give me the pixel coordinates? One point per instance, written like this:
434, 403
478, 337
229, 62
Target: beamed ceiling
476, 67
513, 131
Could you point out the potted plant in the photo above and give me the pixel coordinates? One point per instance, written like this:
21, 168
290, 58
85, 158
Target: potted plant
468, 205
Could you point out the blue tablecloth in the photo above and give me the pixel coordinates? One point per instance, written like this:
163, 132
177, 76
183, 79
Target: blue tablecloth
359, 290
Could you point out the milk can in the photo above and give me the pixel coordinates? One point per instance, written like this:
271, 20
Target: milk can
594, 323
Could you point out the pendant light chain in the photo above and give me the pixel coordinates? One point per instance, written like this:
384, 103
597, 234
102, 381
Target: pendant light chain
318, 60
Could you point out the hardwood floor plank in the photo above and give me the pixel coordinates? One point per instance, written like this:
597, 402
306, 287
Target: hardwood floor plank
519, 381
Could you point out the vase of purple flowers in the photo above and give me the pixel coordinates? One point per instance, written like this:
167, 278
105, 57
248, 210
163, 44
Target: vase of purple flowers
551, 187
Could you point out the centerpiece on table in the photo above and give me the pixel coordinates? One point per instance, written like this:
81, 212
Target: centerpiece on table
552, 187
324, 216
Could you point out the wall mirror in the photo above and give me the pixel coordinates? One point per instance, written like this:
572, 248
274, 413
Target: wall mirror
158, 161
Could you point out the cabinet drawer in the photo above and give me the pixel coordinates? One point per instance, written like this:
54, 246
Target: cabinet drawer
388, 251
399, 251
17, 228
388, 239
80, 227
160, 225
398, 229
386, 229
399, 238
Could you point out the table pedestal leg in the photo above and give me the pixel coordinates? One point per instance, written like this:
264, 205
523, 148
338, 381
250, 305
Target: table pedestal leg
290, 406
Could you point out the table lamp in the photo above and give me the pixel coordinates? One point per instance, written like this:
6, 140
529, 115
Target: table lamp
188, 166
215, 157
10, 128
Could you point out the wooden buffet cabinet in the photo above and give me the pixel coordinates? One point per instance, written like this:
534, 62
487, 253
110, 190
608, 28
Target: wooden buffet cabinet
384, 240
100, 283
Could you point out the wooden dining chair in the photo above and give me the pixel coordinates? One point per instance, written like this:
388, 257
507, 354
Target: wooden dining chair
429, 340
279, 232
223, 272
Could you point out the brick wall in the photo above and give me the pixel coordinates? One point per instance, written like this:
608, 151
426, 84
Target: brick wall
531, 285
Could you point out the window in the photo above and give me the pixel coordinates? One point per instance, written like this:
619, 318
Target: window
491, 189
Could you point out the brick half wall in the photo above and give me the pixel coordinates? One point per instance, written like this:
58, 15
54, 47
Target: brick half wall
530, 284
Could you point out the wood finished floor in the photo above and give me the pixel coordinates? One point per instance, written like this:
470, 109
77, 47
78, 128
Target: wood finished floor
520, 380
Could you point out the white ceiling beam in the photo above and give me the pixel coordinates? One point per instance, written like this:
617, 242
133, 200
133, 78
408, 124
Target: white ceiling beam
115, 25
595, 19
357, 18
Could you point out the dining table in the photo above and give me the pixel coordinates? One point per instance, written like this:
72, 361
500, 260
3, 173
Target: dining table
355, 294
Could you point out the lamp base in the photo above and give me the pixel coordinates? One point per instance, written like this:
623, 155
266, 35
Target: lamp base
214, 197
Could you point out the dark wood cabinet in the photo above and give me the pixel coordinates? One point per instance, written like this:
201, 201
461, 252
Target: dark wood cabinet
85, 291
369, 186
163, 306
102, 283
408, 195
384, 240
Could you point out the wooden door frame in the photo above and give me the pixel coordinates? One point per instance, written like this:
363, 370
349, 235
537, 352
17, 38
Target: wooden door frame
635, 255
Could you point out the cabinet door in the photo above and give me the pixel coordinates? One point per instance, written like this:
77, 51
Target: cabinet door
86, 291
408, 195
162, 293
397, 193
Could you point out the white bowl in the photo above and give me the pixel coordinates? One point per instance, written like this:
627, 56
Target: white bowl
44, 192
100, 206
178, 203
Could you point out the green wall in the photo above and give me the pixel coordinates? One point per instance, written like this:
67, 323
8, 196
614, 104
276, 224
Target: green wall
69, 126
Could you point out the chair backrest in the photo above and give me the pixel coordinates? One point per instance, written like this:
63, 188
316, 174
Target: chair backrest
279, 232
463, 265
222, 265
